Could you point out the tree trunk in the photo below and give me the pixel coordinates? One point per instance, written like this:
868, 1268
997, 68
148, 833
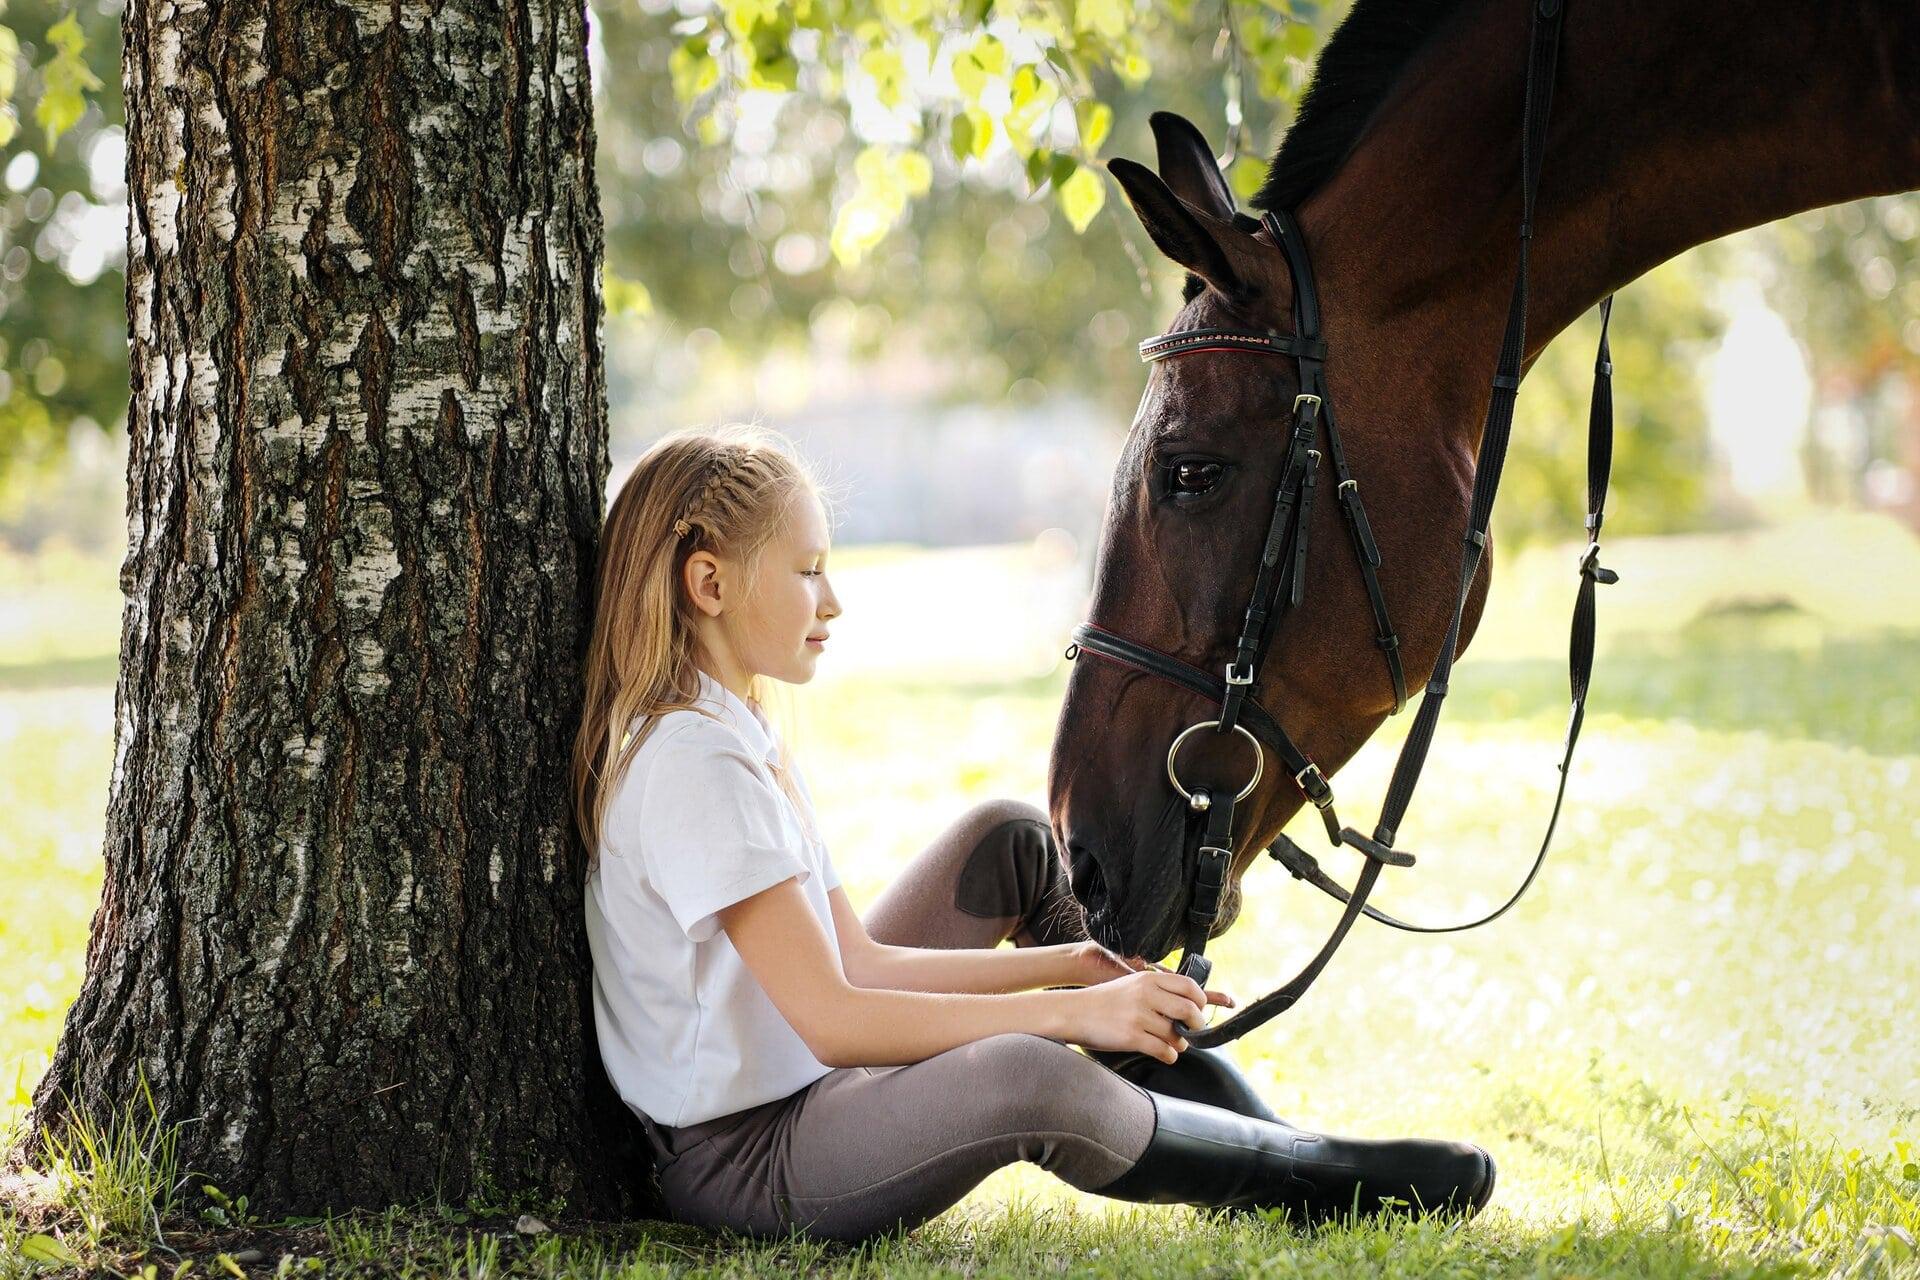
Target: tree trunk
341, 925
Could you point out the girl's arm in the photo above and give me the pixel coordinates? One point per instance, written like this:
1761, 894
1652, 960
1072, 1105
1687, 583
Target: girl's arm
783, 945
978, 969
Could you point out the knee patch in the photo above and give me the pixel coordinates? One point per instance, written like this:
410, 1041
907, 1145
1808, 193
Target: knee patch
1009, 872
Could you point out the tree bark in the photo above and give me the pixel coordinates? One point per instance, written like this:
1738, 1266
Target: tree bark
340, 932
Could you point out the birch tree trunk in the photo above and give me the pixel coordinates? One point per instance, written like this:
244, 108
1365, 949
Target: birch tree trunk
341, 931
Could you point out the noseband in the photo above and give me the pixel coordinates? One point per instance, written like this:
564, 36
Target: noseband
1279, 583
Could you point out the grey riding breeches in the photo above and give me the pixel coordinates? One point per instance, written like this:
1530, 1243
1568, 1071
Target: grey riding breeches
864, 1150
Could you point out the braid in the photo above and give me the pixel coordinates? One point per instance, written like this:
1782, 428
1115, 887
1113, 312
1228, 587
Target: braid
721, 469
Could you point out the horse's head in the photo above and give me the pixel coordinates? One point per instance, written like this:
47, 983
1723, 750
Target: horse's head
1193, 496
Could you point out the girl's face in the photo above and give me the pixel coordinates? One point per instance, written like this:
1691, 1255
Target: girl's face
781, 628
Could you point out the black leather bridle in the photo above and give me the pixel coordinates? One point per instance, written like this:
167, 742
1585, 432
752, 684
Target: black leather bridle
1280, 580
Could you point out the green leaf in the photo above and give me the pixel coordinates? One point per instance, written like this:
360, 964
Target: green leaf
982, 125
973, 66
9, 51
65, 80
1245, 175
43, 1248
1095, 120
960, 136
916, 172
1081, 197
1030, 99
1039, 166
889, 72
781, 73
1058, 57
624, 296
742, 16
693, 68
1106, 17
1134, 70
1062, 167
771, 62
906, 13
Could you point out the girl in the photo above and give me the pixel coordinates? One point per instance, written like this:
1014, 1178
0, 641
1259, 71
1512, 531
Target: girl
799, 1068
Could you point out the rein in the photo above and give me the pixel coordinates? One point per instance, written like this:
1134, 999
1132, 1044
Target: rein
1279, 583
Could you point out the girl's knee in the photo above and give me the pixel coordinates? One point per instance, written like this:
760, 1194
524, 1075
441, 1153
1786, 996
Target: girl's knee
1013, 867
997, 812
1031, 1083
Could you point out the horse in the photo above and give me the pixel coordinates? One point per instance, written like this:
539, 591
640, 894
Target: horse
1672, 124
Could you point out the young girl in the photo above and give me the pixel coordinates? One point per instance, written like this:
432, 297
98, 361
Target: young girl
799, 1068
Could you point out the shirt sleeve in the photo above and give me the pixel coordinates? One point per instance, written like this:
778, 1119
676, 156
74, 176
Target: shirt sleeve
711, 830
829, 874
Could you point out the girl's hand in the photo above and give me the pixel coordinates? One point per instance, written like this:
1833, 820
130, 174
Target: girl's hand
1091, 964
1136, 1013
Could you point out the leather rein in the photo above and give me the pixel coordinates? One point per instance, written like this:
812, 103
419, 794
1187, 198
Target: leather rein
1279, 583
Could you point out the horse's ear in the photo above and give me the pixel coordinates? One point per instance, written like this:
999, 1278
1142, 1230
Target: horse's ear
1187, 165
1216, 251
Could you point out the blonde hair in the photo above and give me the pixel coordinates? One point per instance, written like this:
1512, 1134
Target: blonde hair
725, 490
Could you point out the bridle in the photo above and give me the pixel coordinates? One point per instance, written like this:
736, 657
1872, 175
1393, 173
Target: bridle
1279, 583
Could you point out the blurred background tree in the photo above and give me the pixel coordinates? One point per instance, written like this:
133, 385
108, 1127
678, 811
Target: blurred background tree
891, 235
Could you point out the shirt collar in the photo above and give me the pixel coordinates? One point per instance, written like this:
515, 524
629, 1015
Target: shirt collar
746, 719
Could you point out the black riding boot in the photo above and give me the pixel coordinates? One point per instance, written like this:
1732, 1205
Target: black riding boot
1197, 1075
1213, 1157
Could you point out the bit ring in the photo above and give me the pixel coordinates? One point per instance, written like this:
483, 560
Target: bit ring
1259, 759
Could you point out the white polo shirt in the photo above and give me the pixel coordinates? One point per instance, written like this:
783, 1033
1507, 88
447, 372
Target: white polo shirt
696, 823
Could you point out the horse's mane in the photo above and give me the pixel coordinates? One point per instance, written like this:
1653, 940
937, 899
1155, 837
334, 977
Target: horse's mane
1360, 65
1353, 75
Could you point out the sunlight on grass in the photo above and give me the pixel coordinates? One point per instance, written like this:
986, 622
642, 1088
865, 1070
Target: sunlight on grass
1691, 1049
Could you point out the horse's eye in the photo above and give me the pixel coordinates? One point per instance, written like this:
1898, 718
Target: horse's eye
1193, 475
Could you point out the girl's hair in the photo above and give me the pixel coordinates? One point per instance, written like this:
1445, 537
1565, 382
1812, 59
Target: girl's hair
723, 490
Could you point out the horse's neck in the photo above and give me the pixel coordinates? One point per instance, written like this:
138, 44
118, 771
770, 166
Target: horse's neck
1672, 124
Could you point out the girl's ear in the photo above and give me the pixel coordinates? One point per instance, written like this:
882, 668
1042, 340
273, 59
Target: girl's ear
701, 576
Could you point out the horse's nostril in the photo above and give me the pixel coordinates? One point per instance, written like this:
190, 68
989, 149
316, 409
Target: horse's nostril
1089, 881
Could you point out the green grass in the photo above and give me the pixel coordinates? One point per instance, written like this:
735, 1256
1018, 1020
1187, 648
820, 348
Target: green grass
1692, 1049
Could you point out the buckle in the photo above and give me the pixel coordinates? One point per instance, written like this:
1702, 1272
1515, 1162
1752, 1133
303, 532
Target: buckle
1590, 566
1304, 396
1321, 794
1347, 484
1239, 673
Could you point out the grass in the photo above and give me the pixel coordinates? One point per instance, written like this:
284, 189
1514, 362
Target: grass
1692, 1049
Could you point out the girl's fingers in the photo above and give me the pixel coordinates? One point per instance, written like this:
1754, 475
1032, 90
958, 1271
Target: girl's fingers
1221, 997
1179, 1009
1154, 1047
1162, 1028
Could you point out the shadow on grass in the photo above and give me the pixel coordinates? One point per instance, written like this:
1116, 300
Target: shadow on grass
1018, 1239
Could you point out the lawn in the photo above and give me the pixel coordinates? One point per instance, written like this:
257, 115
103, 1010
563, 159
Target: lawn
1693, 1049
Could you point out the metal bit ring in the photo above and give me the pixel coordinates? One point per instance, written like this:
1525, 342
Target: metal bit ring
1259, 759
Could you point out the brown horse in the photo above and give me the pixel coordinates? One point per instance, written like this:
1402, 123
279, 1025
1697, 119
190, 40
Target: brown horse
1672, 124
